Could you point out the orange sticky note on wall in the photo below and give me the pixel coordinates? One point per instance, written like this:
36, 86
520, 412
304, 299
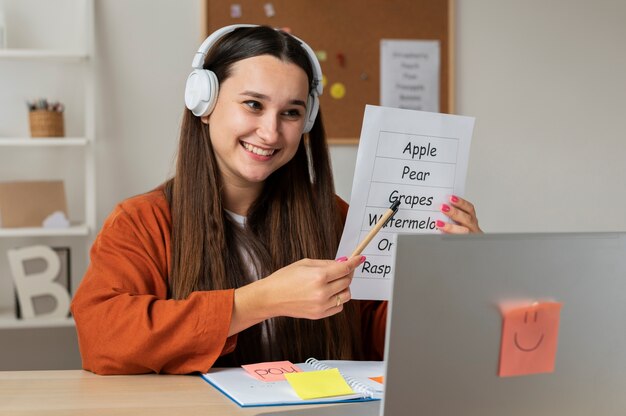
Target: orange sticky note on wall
271, 371
529, 339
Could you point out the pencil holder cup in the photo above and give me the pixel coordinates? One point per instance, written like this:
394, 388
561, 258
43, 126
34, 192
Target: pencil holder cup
45, 123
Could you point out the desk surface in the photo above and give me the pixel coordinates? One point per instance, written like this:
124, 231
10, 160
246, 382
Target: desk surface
76, 392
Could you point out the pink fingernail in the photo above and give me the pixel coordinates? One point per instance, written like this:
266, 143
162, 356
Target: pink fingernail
342, 259
445, 208
440, 224
362, 259
454, 198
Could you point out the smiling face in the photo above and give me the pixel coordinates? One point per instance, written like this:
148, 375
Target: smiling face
529, 339
257, 123
529, 334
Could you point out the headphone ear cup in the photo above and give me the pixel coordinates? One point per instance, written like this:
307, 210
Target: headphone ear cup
312, 107
201, 92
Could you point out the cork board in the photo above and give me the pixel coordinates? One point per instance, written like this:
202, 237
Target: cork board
349, 31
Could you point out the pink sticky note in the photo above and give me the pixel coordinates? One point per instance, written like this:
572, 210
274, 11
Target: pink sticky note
271, 371
529, 339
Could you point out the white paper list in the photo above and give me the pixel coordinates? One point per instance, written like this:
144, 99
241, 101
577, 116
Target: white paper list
409, 74
416, 157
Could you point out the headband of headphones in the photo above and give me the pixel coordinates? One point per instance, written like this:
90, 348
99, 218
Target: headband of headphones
202, 85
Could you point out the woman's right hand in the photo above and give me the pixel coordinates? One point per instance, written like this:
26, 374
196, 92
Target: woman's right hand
311, 289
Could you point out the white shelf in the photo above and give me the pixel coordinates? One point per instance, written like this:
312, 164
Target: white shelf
77, 55
9, 321
75, 230
43, 141
42, 54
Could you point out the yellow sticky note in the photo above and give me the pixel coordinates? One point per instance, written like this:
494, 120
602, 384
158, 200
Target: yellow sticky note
316, 384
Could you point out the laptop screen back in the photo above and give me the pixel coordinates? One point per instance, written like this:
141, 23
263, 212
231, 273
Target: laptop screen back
444, 326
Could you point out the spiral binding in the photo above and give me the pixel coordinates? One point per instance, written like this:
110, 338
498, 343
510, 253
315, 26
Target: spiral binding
355, 384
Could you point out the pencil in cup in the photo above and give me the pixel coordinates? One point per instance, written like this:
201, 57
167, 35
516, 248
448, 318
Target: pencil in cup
379, 224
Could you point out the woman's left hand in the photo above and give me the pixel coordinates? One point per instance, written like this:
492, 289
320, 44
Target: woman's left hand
463, 214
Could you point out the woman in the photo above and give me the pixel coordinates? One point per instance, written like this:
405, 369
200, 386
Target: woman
228, 262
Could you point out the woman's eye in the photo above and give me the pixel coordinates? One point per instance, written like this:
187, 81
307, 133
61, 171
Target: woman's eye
294, 113
254, 105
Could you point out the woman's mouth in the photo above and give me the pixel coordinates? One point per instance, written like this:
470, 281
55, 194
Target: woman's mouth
257, 150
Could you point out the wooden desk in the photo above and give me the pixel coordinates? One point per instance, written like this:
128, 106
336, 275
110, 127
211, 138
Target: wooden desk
76, 392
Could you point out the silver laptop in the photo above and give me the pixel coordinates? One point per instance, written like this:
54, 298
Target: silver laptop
444, 326
445, 333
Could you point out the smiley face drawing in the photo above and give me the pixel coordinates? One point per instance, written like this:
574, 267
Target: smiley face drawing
516, 336
529, 339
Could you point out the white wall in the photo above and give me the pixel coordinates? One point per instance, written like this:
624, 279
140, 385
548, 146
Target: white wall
144, 48
544, 79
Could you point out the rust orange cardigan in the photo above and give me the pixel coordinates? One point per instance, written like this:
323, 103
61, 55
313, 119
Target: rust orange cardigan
126, 324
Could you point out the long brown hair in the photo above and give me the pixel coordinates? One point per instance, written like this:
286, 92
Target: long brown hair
296, 216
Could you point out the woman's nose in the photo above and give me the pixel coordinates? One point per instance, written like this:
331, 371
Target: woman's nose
269, 128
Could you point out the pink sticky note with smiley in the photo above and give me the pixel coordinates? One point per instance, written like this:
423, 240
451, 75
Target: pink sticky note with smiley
529, 338
271, 371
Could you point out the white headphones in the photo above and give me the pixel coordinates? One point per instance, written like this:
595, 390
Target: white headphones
202, 86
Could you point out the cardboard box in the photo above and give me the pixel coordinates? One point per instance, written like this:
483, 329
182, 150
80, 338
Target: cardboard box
29, 203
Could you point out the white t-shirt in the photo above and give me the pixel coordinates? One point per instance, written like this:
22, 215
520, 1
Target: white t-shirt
252, 274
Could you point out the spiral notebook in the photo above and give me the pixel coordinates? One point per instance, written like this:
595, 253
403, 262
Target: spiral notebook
246, 391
